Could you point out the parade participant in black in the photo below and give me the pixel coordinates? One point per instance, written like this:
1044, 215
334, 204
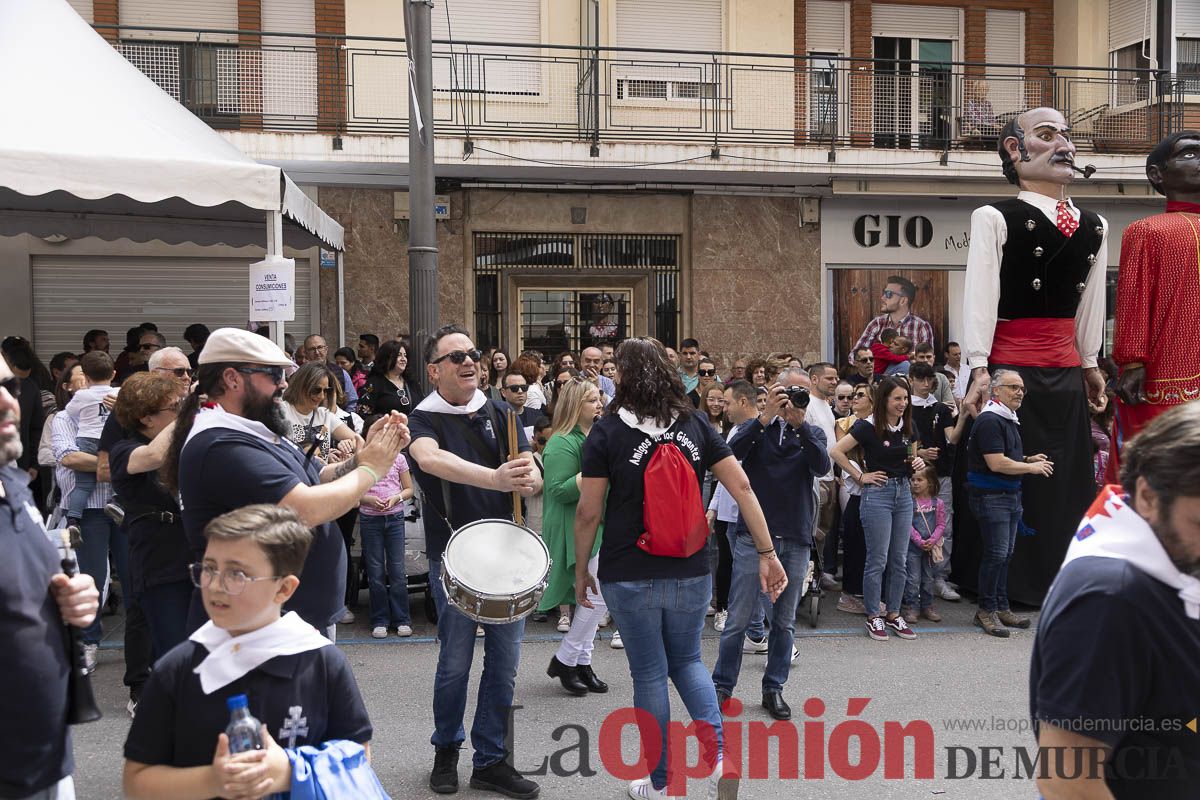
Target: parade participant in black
462, 465
230, 449
1113, 675
1034, 303
35, 747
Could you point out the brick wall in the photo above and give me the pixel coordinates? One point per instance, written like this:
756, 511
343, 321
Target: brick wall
331, 65
107, 12
250, 19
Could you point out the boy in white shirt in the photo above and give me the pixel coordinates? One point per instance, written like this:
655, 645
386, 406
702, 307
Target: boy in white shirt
89, 413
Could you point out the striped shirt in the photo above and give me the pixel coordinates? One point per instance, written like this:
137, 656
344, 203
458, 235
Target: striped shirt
912, 326
62, 440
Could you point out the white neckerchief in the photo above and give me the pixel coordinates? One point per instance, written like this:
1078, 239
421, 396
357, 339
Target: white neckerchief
1112, 529
218, 417
893, 428
923, 402
434, 402
231, 657
648, 426
1048, 205
998, 408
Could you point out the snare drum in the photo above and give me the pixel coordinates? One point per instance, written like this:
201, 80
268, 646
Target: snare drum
494, 570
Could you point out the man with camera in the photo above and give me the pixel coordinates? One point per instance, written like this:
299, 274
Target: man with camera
783, 456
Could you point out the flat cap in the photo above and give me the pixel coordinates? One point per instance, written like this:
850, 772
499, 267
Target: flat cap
233, 345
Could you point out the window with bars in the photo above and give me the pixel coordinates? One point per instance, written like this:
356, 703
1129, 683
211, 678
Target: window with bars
652, 89
188, 71
575, 316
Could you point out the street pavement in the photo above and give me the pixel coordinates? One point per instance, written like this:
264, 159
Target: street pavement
952, 677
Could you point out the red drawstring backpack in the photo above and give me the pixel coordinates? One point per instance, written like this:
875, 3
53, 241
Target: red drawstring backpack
673, 511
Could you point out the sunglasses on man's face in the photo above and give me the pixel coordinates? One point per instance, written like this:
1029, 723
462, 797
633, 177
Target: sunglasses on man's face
867, 360
706, 373
178, 372
518, 388
458, 356
274, 373
843, 397
888, 294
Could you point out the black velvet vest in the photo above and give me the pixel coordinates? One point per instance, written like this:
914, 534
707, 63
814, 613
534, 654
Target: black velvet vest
1042, 273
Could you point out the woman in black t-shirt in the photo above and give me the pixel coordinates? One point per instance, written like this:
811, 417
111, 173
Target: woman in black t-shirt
658, 602
390, 385
887, 504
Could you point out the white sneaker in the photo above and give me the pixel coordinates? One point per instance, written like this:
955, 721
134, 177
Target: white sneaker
719, 620
616, 643
90, 653
347, 618
945, 591
404, 630
379, 632
564, 623
131, 708
643, 789
795, 653
751, 646
605, 621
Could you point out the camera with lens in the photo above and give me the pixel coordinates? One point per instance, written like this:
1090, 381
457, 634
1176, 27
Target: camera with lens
798, 395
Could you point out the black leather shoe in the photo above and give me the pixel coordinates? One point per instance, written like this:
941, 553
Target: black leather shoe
502, 778
587, 677
567, 676
722, 696
775, 705
444, 777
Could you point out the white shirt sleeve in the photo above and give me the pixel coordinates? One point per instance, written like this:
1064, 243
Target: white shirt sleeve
981, 290
1090, 316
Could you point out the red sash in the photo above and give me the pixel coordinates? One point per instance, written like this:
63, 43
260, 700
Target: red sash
1035, 342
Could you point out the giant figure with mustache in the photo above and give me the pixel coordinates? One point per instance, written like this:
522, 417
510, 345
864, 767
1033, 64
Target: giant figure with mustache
1034, 303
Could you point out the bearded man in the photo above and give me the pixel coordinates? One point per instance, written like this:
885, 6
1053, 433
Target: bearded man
1034, 304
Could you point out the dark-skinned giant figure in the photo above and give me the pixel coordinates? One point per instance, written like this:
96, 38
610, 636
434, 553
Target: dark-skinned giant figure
1034, 303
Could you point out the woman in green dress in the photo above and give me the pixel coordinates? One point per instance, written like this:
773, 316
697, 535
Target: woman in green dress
576, 407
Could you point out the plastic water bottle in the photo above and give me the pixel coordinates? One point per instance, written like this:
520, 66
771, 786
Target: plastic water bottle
244, 729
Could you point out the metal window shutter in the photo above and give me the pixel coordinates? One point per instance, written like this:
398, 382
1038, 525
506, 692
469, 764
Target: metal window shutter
825, 26
211, 14
1127, 22
671, 24
918, 22
84, 8
1005, 37
74, 293
1187, 19
516, 21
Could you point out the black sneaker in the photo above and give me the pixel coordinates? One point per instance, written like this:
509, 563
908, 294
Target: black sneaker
502, 778
444, 777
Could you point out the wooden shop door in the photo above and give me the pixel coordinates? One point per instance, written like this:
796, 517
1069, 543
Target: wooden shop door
857, 295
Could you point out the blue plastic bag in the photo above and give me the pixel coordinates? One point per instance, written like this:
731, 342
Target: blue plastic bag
337, 770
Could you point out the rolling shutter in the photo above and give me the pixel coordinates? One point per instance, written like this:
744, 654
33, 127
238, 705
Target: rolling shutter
1187, 19
84, 8
826, 25
1128, 22
210, 14
671, 24
1005, 37
917, 22
512, 72
516, 21
74, 293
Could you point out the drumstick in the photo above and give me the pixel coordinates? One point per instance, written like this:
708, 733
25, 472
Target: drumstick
512, 421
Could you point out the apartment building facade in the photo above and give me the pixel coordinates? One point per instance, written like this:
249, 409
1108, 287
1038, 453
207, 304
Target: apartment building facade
744, 171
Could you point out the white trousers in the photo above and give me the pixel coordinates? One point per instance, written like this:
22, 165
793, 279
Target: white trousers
577, 645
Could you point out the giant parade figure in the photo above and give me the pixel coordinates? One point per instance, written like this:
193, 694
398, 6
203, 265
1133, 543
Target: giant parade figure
1158, 295
1034, 303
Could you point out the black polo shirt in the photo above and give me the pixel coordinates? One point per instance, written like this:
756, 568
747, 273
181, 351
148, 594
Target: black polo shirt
222, 469
467, 503
619, 453
929, 427
887, 454
992, 433
35, 746
1115, 660
312, 694
158, 548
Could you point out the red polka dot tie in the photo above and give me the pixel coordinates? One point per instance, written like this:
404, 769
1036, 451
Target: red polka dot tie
1066, 223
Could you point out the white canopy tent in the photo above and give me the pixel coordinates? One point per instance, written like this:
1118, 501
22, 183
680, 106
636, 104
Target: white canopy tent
90, 146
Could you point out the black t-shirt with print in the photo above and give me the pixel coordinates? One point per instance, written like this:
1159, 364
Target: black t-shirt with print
615, 451
929, 427
886, 455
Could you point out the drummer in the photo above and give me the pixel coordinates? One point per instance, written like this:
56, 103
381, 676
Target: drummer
459, 450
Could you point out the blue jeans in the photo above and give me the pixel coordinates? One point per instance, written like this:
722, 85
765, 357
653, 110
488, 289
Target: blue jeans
100, 534
918, 590
998, 515
756, 629
744, 593
85, 482
166, 610
886, 513
501, 654
383, 541
660, 622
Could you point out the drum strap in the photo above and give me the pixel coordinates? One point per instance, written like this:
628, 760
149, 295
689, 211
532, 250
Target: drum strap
486, 453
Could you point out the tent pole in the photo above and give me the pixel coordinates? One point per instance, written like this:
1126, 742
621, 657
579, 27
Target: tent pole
341, 303
275, 248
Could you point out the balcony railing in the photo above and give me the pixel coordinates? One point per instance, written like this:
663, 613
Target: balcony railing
278, 82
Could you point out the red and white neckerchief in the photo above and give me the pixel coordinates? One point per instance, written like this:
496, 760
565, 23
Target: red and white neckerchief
1063, 219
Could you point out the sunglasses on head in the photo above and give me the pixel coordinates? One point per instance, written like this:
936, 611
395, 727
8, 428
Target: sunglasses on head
706, 373
458, 356
274, 373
